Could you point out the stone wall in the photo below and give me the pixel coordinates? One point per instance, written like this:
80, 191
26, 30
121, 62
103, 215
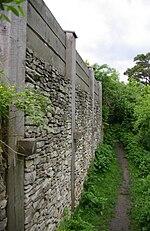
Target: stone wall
3, 194
41, 184
84, 139
47, 172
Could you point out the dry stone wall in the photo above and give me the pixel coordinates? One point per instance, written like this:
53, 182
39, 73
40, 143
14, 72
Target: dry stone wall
47, 172
98, 131
41, 184
47, 185
84, 139
3, 194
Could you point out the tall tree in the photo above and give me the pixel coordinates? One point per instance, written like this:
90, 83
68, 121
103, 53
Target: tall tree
141, 71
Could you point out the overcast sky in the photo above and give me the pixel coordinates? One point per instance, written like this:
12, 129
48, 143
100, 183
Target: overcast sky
109, 31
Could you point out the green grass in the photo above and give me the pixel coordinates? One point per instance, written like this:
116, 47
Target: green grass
134, 194
99, 196
106, 187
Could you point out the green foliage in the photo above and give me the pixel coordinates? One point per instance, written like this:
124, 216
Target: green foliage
74, 222
143, 204
126, 118
139, 160
141, 71
140, 195
97, 199
139, 156
86, 62
11, 5
7, 94
142, 115
30, 101
103, 157
117, 97
91, 200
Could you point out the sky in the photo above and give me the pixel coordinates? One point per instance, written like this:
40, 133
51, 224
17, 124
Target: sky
109, 31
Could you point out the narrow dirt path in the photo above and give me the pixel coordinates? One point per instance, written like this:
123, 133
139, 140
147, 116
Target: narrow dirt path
121, 220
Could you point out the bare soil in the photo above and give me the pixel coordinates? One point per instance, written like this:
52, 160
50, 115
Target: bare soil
121, 219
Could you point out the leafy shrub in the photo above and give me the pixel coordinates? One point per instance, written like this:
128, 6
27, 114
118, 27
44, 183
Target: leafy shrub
142, 204
142, 115
7, 94
97, 198
89, 199
103, 157
30, 101
109, 135
140, 158
74, 222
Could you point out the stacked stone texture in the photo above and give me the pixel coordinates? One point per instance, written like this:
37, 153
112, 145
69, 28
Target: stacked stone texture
3, 197
97, 124
84, 142
3, 194
48, 171
47, 186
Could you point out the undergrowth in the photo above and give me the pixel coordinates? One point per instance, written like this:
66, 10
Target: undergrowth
97, 199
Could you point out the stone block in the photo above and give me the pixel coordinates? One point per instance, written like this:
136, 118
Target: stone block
30, 177
3, 204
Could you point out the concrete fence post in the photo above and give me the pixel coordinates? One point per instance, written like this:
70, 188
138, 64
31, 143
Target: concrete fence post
91, 76
12, 55
71, 74
100, 104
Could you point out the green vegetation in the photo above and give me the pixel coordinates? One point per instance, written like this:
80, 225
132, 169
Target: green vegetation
32, 102
139, 166
11, 5
126, 118
141, 71
140, 196
126, 113
98, 198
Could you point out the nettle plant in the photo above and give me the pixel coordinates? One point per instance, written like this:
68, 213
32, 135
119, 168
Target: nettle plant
31, 101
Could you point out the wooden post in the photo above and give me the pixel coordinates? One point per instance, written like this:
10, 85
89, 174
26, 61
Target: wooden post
91, 75
12, 54
71, 74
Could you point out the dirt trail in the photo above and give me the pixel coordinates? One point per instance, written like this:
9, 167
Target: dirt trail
121, 220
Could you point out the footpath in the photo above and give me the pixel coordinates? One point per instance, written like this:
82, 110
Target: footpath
121, 219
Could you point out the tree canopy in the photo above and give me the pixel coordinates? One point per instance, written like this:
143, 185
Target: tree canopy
141, 71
